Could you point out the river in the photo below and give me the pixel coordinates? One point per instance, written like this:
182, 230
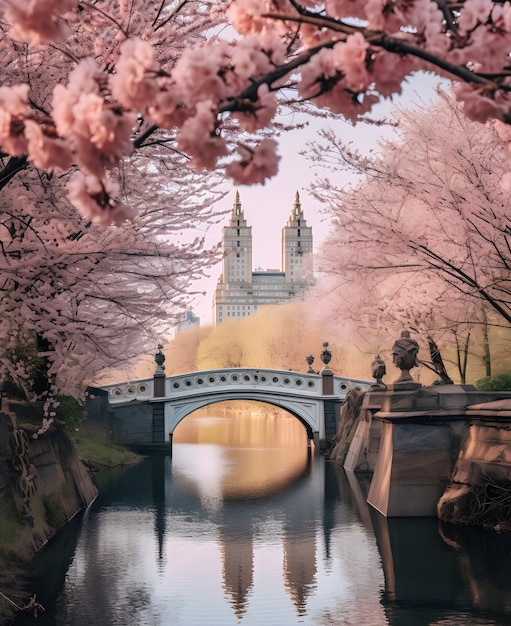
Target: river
245, 525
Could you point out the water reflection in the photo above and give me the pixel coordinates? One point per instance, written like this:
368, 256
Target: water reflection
246, 533
252, 454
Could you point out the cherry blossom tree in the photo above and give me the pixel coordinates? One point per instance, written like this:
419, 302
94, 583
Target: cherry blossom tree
77, 296
58, 111
88, 298
423, 239
87, 83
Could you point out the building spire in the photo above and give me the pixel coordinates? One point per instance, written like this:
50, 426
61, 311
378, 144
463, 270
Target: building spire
236, 207
297, 208
237, 216
296, 218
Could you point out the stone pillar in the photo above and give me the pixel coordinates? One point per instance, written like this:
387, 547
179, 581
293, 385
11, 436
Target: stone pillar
327, 380
159, 385
417, 448
330, 406
413, 465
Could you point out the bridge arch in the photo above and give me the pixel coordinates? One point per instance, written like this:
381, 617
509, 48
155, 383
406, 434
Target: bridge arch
300, 413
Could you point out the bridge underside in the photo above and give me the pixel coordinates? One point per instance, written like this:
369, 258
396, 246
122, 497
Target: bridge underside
308, 412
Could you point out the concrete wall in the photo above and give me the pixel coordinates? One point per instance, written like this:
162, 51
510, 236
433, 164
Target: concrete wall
432, 451
414, 466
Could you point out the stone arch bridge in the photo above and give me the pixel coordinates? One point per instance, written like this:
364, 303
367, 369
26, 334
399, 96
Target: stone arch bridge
144, 413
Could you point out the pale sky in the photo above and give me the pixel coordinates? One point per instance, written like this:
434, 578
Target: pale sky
267, 207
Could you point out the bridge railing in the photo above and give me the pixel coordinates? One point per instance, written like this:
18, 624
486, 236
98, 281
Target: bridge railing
297, 382
185, 384
257, 379
130, 391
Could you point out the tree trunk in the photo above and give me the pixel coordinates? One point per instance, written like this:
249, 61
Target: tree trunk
486, 345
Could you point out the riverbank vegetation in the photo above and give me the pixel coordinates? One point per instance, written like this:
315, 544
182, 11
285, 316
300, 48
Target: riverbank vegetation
95, 449
282, 338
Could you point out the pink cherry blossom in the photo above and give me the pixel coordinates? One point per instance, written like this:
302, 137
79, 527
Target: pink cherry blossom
343, 55
474, 12
351, 59
199, 73
134, 82
99, 133
479, 106
256, 165
48, 153
245, 16
97, 201
37, 21
167, 109
341, 8
262, 113
197, 137
13, 111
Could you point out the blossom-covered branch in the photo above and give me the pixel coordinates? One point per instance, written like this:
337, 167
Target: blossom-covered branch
220, 98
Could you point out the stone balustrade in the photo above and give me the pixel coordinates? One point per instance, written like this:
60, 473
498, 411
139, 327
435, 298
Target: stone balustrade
219, 380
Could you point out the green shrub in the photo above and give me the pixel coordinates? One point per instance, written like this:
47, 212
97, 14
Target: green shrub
70, 412
500, 382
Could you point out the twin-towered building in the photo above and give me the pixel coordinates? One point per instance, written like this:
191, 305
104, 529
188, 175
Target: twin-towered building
241, 292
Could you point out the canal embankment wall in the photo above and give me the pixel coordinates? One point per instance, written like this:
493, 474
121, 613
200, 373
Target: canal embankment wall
443, 450
43, 485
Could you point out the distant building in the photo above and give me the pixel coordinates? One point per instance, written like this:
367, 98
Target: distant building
189, 320
241, 292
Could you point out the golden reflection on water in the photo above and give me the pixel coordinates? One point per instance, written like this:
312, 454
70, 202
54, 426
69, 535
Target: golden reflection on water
262, 449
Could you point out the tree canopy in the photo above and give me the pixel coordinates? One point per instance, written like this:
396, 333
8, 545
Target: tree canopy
423, 238
77, 296
86, 83
93, 298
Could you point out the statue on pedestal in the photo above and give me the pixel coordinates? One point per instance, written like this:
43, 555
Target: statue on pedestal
404, 356
378, 369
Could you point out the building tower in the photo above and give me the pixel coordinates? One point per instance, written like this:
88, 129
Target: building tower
240, 292
237, 238
297, 246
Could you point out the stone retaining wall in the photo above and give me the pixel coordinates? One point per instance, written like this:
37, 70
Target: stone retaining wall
480, 490
43, 484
